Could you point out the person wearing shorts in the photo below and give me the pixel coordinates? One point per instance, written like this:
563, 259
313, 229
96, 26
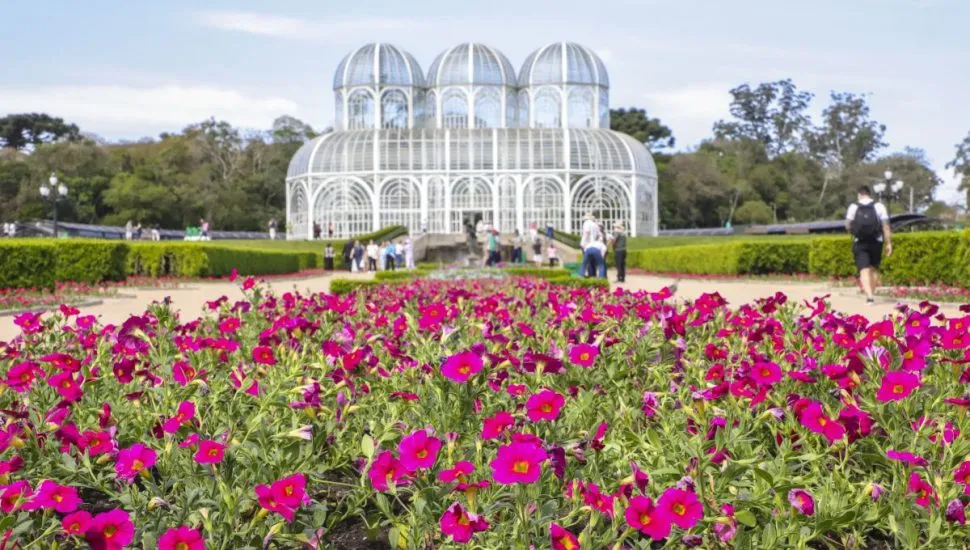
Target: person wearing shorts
868, 223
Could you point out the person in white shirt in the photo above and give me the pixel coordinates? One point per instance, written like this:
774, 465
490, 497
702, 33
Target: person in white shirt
372, 253
868, 223
590, 233
408, 253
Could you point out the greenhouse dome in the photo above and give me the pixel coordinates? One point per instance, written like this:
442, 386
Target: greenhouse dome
472, 142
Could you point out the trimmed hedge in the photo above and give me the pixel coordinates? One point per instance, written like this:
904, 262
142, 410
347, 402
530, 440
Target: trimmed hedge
401, 275
578, 282
918, 258
540, 272
90, 261
341, 287
206, 260
25, 264
735, 258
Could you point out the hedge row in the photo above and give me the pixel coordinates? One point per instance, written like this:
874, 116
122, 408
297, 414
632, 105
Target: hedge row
540, 272
27, 264
733, 258
38, 264
207, 260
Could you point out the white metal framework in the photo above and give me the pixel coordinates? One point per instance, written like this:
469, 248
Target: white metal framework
471, 142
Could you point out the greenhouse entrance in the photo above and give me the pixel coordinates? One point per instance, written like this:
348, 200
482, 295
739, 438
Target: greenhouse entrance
461, 219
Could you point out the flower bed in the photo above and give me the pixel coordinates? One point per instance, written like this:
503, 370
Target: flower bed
502, 413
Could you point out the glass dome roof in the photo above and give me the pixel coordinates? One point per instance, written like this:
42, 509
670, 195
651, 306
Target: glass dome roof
470, 63
546, 66
378, 63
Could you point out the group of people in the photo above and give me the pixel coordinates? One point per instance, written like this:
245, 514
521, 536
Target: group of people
595, 243
386, 256
135, 232
490, 238
10, 229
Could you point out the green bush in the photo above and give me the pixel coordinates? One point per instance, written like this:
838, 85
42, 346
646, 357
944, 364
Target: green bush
403, 275
918, 258
760, 258
579, 282
342, 287
567, 239
207, 260
26, 264
90, 261
707, 259
541, 272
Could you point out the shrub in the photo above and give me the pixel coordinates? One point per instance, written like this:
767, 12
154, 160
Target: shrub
205, 260
342, 287
91, 261
541, 272
734, 258
25, 264
760, 258
397, 275
579, 282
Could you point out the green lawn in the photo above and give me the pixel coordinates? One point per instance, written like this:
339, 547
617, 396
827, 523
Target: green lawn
667, 242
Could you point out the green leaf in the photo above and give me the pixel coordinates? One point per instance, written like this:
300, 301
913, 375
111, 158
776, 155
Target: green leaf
367, 446
745, 518
765, 476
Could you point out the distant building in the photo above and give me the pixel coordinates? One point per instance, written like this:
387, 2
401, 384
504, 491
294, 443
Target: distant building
471, 141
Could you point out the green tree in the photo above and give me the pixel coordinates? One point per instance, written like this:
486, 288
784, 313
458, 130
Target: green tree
754, 212
649, 131
20, 131
288, 129
961, 166
773, 113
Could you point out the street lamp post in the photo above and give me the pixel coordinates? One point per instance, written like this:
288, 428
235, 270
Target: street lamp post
888, 189
49, 195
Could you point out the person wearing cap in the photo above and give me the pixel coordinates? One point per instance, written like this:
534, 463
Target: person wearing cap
619, 251
590, 234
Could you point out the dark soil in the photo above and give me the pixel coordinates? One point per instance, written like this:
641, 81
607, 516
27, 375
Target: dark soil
353, 536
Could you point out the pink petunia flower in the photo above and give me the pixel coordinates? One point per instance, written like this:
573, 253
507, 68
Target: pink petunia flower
111, 530
462, 469
267, 500
263, 355
181, 538
897, 385
544, 405
925, 495
682, 507
642, 515
955, 512
907, 457
134, 460
583, 355
461, 525
814, 418
766, 373
418, 451
802, 501
494, 425
561, 538
52, 496
290, 491
185, 414
209, 452
461, 366
726, 527
386, 468
77, 523
518, 463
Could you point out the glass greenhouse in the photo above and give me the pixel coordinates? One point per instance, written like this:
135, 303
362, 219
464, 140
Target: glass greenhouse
470, 142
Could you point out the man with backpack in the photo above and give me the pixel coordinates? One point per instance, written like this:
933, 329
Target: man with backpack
868, 222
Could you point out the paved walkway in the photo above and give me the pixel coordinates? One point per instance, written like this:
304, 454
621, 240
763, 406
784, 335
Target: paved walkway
191, 298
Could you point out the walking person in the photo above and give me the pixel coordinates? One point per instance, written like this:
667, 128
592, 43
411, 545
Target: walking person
537, 251
328, 257
272, 229
408, 253
389, 256
868, 222
316, 231
552, 254
358, 256
347, 254
156, 234
590, 233
619, 251
204, 226
493, 255
398, 254
129, 230
372, 253
517, 243
138, 231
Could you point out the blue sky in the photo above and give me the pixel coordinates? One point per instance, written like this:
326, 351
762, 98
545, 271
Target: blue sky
132, 69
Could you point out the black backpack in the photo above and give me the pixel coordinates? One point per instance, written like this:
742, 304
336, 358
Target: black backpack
866, 225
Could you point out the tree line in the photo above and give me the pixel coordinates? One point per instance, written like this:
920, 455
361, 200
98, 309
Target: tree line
768, 162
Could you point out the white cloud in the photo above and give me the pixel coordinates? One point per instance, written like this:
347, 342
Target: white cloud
126, 111
336, 29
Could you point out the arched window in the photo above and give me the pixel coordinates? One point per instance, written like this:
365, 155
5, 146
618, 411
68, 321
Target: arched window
506, 204
417, 118
523, 109
360, 107
542, 203
471, 198
488, 109
548, 109
400, 204
436, 205
606, 198
394, 109
299, 210
581, 110
454, 109
432, 111
347, 204
511, 111
338, 108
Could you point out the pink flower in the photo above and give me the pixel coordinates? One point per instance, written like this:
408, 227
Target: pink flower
461, 366
460, 525
290, 491
263, 355
462, 469
493, 426
962, 473
385, 468
897, 385
518, 463
53, 496
418, 451
97, 443
14, 496
802, 501
815, 419
134, 460
185, 414
561, 538
183, 373
210, 452
908, 458
955, 512
269, 502
726, 527
643, 516
76, 523
682, 507
925, 495
766, 374
111, 530
544, 405
181, 538
21, 376
583, 355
